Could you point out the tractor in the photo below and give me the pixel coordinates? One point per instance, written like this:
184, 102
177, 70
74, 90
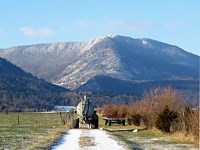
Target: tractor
85, 114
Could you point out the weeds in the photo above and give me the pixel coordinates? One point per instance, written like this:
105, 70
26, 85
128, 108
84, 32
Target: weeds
164, 120
147, 112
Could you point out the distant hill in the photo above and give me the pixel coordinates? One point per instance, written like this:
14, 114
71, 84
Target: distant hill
113, 85
20, 90
73, 64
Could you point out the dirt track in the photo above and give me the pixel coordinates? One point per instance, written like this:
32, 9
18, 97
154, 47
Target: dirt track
86, 139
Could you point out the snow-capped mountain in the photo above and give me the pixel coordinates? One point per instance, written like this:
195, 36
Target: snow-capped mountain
72, 64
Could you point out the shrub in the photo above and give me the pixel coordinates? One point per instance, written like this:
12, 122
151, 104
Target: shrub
194, 123
189, 121
112, 109
135, 119
153, 103
122, 110
164, 120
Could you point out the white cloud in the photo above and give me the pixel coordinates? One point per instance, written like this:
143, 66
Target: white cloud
29, 31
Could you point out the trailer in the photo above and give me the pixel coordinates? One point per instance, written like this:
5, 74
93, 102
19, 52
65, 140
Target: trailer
85, 114
109, 119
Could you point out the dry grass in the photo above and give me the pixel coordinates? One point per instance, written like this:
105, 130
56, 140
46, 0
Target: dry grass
194, 124
154, 102
34, 131
177, 137
155, 139
180, 137
47, 139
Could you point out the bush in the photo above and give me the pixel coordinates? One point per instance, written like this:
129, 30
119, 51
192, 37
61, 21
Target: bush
135, 119
112, 109
164, 120
189, 122
153, 103
194, 123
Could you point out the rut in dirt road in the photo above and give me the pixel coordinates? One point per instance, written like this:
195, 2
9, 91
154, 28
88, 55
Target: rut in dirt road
86, 139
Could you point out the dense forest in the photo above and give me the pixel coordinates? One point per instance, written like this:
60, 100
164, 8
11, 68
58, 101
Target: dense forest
21, 91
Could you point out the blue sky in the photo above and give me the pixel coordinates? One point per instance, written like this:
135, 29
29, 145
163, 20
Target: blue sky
25, 22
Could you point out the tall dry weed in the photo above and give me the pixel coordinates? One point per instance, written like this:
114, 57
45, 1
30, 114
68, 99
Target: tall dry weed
155, 102
194, 123
112, 109
187, 122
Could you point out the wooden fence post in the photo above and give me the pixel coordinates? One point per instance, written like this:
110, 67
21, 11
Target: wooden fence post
18, 119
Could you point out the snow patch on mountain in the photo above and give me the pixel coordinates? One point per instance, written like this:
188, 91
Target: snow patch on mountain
144, 42
70, 64
93, 63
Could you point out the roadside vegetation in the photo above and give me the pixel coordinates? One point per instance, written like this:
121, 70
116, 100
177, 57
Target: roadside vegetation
30, 130
163, 110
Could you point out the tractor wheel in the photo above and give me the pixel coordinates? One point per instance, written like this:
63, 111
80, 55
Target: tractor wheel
75, 123
95, 122
95, 125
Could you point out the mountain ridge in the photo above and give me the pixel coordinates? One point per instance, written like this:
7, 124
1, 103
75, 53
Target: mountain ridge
72, 64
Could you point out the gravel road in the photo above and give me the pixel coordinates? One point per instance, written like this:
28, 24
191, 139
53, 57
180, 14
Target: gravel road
86, 139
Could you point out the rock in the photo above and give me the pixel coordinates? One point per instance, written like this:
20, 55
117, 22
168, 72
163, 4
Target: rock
136, 130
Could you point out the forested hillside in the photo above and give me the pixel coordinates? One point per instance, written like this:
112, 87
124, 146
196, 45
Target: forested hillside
20, 90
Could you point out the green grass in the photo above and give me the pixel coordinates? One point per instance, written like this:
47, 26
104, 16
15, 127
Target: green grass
40, 130
144, 138
33, 130
141, 139
142, 134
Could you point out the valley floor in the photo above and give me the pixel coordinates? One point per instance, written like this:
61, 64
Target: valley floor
41, 131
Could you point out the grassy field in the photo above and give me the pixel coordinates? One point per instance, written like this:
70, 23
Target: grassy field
151, 139
39, 130
29, 130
